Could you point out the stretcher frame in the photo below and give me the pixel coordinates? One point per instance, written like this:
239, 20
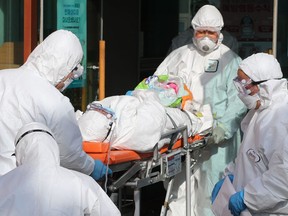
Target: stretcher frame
143, 169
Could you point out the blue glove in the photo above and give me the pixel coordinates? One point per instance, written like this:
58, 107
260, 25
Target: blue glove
218, 185
130, 93
100, 170
236, 203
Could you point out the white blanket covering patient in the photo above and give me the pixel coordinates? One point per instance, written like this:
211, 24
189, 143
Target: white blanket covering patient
137, 121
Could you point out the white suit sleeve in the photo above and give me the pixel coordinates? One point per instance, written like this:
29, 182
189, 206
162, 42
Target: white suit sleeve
68, 136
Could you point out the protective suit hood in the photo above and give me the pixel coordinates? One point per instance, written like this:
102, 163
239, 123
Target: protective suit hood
35, 143
56, 56
40, 186
261, 66
208, 16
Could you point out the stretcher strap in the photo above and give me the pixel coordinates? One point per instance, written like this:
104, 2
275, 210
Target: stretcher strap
174, 136
186, 113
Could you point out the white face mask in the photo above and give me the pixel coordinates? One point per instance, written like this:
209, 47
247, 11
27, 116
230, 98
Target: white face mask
67, 82
250, 101
263, 96
205, 44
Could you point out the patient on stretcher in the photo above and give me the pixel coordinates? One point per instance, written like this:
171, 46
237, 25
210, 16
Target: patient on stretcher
136, 121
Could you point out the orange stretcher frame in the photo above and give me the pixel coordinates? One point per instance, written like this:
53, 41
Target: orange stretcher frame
99, 150
143, 169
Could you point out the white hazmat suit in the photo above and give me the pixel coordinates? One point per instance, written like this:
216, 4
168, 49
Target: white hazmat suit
39, 186
261, 167
28, 94
209, 76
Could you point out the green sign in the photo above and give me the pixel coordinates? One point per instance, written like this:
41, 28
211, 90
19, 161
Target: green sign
71, 15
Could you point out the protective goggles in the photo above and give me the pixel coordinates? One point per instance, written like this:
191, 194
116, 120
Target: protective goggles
77, 71
103, 110
243, 86
205, 33
207, 28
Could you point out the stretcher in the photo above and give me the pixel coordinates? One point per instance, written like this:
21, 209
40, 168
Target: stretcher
143, 169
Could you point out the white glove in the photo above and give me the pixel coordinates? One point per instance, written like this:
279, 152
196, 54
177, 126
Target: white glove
248, 100
218, 135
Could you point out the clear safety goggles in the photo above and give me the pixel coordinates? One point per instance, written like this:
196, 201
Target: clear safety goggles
207, 28
207, 31
76, 73
103, 110
243, 86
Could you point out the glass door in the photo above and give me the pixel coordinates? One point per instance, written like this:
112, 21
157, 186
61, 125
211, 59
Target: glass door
11, 33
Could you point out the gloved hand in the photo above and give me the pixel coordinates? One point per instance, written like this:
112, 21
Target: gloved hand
218, 135
129, 92
249, 100
236, 203
218, 186
100, 170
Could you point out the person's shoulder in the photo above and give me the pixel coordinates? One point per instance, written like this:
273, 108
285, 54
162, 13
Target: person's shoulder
180, 51
45, 95
224, 49
8, 71
228, 53
185, 49
277, 110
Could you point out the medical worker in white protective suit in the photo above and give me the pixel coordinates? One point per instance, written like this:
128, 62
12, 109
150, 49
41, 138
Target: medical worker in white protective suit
208, 68
261, 166
39, 186
28, 94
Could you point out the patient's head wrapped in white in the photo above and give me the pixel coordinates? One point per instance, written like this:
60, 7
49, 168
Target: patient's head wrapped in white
95, 126
138, 123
